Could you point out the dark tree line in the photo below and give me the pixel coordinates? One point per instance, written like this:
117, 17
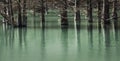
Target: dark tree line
9, 8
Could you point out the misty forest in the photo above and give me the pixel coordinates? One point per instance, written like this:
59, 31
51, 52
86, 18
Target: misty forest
59, 30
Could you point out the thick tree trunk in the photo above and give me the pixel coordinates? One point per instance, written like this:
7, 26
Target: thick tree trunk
106, 12
77, 12
64, 19
89, 11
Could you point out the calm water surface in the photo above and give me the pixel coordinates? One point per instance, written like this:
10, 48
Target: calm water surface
53, 43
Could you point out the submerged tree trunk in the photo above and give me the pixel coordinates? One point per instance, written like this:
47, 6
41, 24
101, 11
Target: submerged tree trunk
10, 11
24, 14
106, 11
114, 9
89, 11
64, 19
19, 14
46, 6
77, 12
99, 11
5, 10
43, 11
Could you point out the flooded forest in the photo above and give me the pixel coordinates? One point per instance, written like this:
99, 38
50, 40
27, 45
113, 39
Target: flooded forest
59, 30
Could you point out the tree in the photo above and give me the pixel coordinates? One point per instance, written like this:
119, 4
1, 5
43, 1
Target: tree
77, 12
10, 12
5, 10
99, 11
106, 12
43, 11
89, 11
24, 13
19, 14
63, 12
114, 9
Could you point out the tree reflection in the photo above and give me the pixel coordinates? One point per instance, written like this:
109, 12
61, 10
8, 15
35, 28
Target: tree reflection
107, 35
22, 37
107, 42
64, 39
116, 29
90, 34
8, 36
78, 36
43, 43
78, 39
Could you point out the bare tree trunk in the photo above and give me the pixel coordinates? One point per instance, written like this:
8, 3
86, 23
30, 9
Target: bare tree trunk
43, 11
89, 11
19, 14
77, 12
115, 17
99, 11
24, 14
11, 22
64, 19
5, 10
106, 12
114, 9
46, 7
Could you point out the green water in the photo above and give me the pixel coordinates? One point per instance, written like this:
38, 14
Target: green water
86, 43
53, 43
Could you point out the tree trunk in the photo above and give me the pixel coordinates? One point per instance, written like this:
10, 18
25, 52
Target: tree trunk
89, 11
99, 11
106, 12
46, 7
43, 11
19, 14
24, 14
64, 19
77, 12
10, 11
114, 9
5, 10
